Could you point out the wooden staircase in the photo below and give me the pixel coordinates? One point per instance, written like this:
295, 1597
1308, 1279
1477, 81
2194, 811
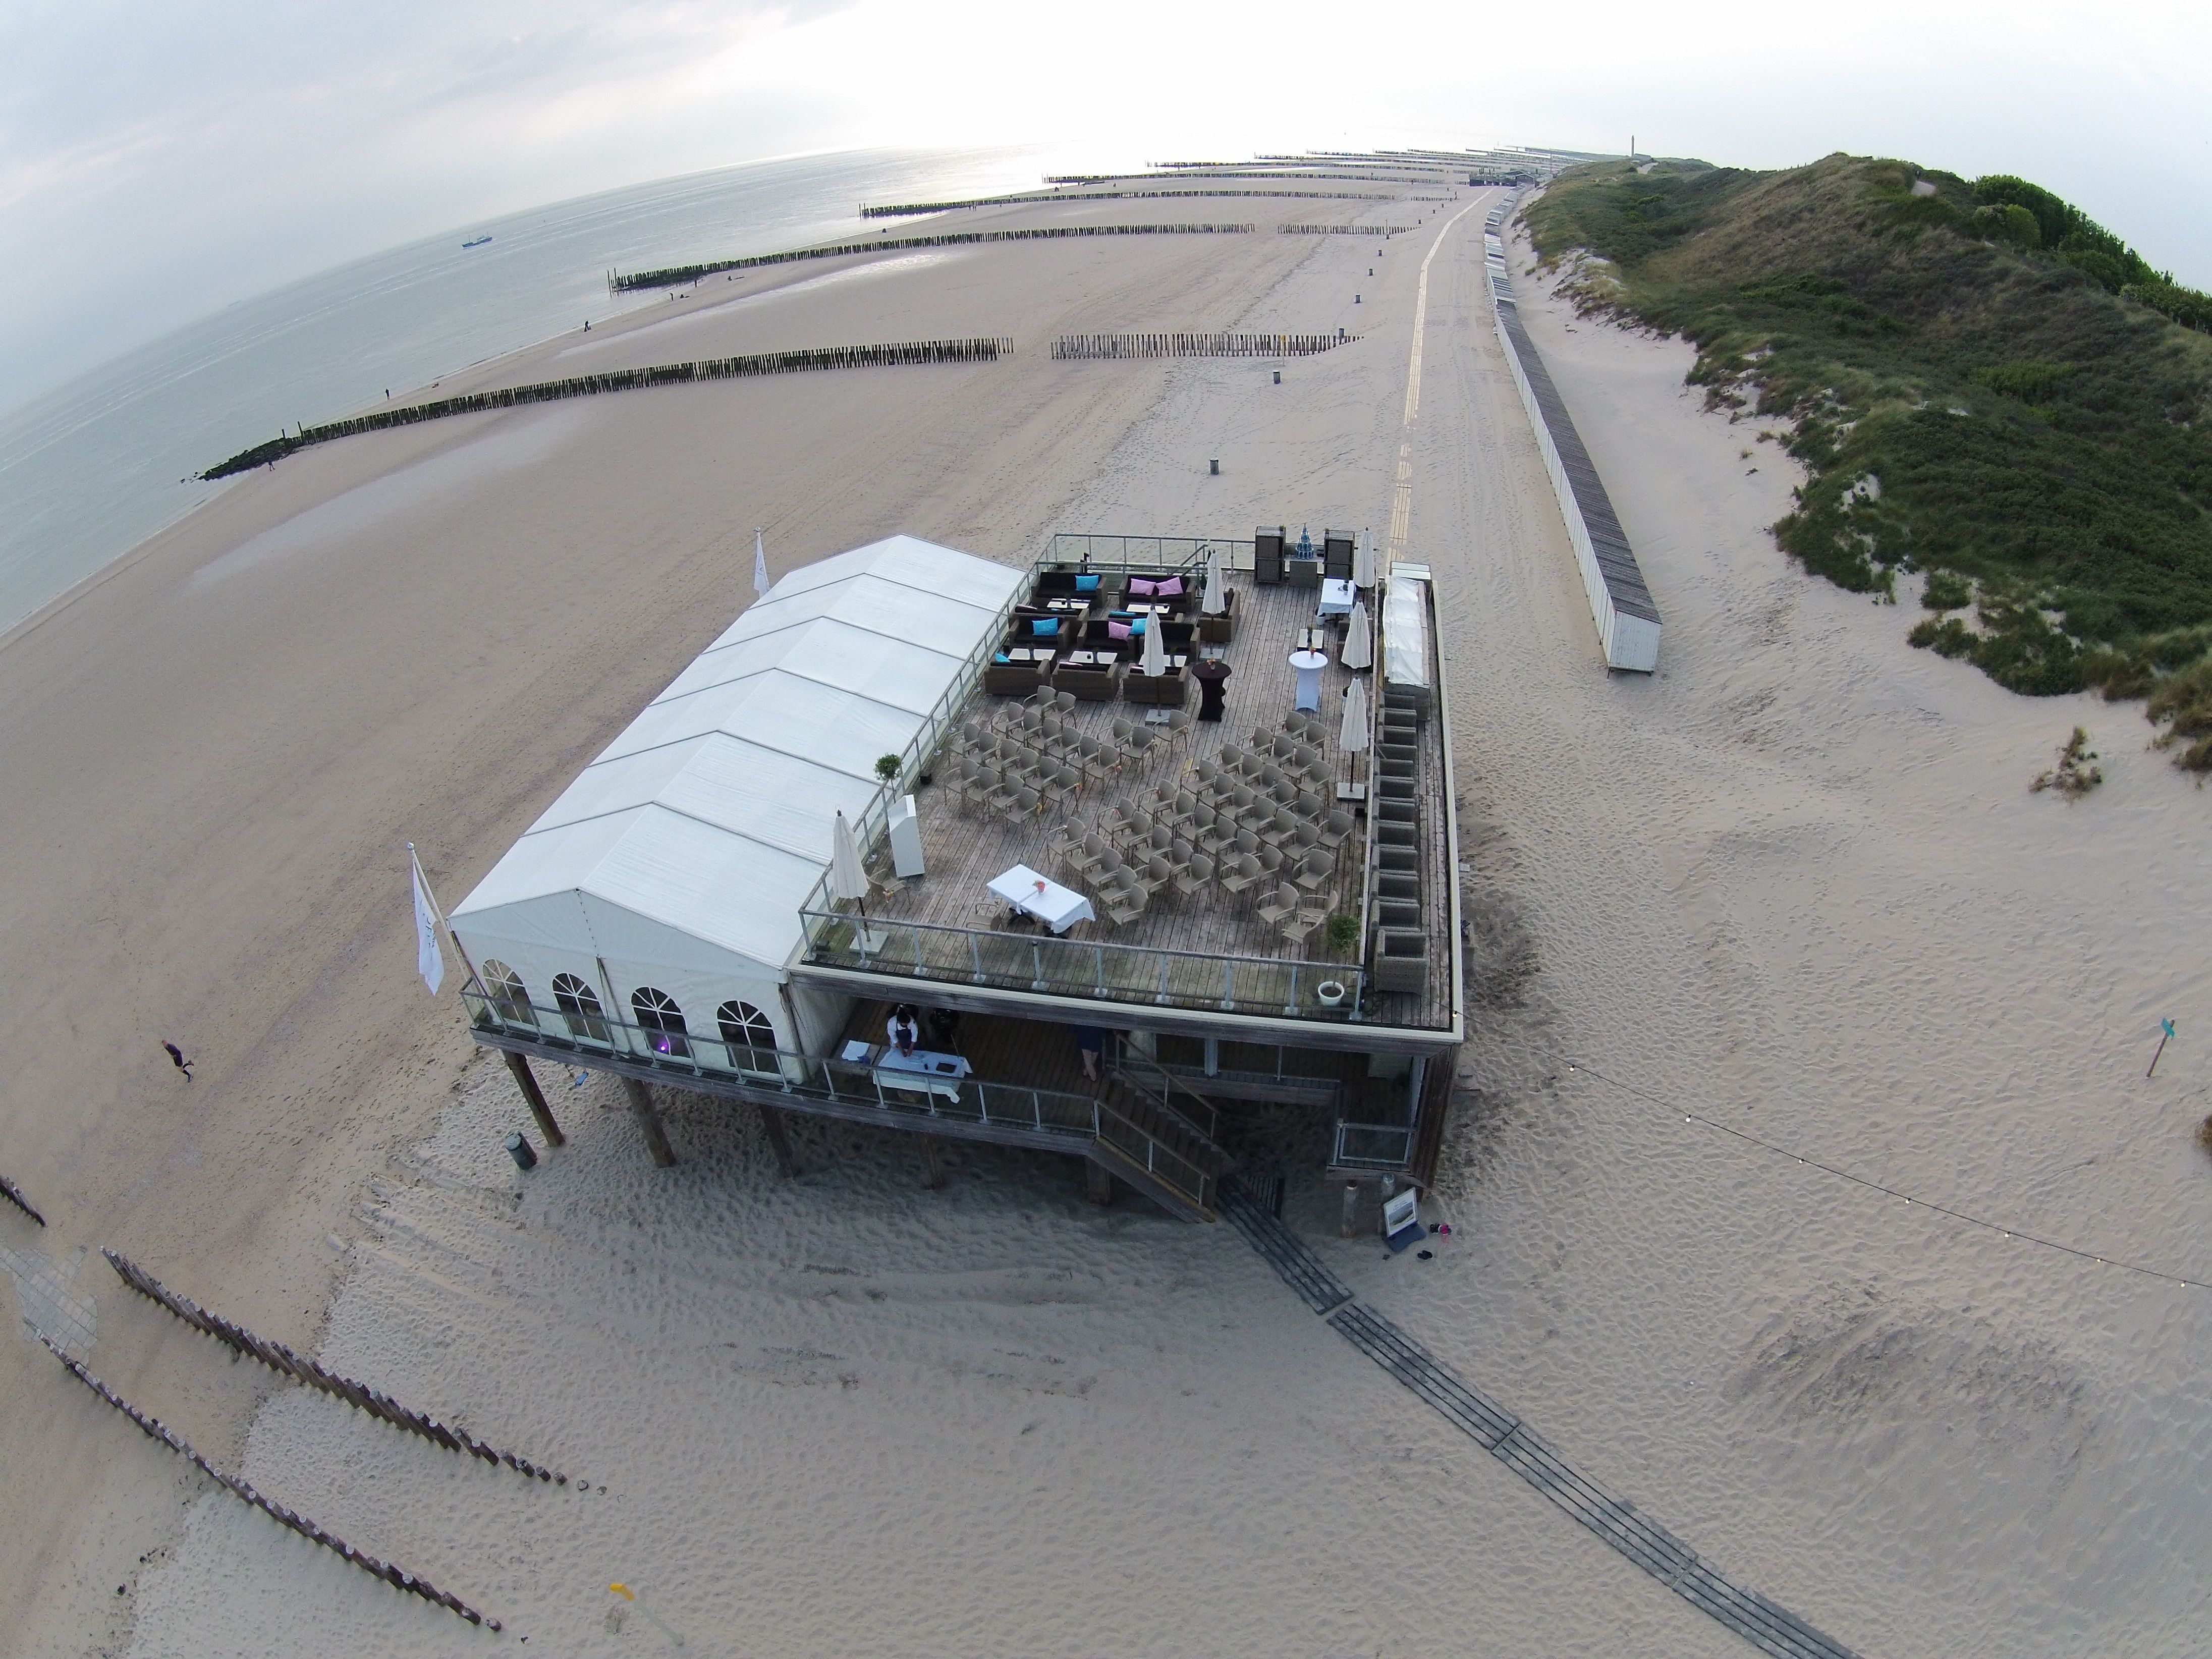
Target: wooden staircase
1159, 1134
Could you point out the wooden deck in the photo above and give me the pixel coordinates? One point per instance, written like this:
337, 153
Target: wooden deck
966, 843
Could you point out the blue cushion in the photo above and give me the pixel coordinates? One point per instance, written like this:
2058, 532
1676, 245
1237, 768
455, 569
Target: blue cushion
1045, 627
1000, 656
1137, 626
1086, 584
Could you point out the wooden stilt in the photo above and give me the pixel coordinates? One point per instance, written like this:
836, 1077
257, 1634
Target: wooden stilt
1098, 1182
527, 1083
772, 1121
1351, 1222
648, 1122
931, 1177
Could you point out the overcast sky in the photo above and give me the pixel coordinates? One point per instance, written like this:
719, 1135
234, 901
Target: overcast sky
160, 159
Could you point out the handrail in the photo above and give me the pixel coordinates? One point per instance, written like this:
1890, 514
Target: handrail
1130, 974
1206, 1119
1075, 1118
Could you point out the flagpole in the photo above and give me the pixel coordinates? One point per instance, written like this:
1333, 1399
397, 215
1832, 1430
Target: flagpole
439, 911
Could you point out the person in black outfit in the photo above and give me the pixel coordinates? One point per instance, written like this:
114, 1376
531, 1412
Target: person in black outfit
177, 1059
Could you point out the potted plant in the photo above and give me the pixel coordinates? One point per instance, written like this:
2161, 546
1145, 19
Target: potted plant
1330, 994
887, 767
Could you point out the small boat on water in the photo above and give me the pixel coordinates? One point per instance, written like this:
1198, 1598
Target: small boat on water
479, 242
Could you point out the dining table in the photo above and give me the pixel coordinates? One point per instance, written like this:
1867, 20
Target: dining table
1057, 908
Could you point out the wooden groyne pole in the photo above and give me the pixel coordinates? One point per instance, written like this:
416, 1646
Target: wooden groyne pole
1125, 347
154, 1430
676, 275
623, 380
278, 1358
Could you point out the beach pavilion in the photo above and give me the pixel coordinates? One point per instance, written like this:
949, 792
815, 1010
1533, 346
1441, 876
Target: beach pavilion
662, 890
680, 915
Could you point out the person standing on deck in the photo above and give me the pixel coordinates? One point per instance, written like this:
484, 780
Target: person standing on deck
1091, 1044
903, 1028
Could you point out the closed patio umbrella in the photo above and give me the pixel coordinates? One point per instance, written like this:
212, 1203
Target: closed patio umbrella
847, 880
1216, 601
1358, 638
1363, 561
1156, 654
1351, 737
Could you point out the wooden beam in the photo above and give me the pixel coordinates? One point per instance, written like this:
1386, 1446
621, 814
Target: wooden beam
648, 1122
932, 1176
772, 1121
1098, 1182
527, 1083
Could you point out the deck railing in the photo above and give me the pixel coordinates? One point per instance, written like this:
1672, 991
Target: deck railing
1112, 555
1373, 1146
803, 1078
1142, 975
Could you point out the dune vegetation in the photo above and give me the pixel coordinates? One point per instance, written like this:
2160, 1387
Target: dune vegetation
1986, 387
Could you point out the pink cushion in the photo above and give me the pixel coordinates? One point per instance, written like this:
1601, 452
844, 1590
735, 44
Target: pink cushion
1142, 586
1117, 630
1169, 589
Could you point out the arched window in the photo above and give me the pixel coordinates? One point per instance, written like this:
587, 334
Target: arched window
510, 999
579, 1006
751, 1036
661, 1020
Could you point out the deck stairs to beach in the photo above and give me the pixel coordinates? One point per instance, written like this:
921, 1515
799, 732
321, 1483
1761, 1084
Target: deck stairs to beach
1160, 1136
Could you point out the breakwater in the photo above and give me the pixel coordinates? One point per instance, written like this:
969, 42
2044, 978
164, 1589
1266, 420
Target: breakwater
279, 1358
622, 379
910, 209
153, 1429
1124, 346
1342, 230
676, 275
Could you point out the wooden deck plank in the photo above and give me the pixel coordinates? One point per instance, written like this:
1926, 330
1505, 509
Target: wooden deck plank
965, 844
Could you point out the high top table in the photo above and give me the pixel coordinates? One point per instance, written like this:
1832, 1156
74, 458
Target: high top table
1309, 664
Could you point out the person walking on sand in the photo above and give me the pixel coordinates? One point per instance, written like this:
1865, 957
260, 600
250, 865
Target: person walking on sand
177, 1059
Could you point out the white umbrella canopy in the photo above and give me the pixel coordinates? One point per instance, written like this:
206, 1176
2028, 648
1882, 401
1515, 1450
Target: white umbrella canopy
1352, 737
847, 880
1156, 654
1216, 600
1363, 561
1358, 638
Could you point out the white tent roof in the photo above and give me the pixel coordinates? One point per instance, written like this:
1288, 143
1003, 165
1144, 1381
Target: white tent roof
711, 815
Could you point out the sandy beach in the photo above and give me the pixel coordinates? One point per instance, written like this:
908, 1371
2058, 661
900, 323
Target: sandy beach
1794, 883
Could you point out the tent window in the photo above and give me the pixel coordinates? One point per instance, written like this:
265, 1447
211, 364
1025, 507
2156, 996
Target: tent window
510, 998
657, 1012
744, 1028
579, 1006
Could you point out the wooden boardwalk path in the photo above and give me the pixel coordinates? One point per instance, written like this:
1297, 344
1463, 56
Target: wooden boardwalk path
1767, 1626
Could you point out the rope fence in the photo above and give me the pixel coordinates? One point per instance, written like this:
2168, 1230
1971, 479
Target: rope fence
676, 275
278, 1358
623, 380
1122, 347
154, 1429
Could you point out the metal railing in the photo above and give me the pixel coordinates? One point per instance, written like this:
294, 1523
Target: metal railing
1070, 550
1373, 1146
1144, 975
803, 1078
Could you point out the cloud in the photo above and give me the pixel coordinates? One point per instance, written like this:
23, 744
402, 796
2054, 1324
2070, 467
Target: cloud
159, 160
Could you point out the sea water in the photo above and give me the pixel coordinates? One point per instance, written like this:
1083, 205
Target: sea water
90, 470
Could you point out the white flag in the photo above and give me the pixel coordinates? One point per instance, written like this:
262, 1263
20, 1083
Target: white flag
429, 960
760, 566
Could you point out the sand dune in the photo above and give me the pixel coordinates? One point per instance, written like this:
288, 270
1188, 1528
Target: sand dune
1794, 882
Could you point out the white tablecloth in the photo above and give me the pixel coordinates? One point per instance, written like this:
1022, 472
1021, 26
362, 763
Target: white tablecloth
1336, 598
1309, 664
938, 1073
1057, 908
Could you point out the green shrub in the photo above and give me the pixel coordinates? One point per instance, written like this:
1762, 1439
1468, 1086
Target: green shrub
1946, 591
1343, 933
887, 767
